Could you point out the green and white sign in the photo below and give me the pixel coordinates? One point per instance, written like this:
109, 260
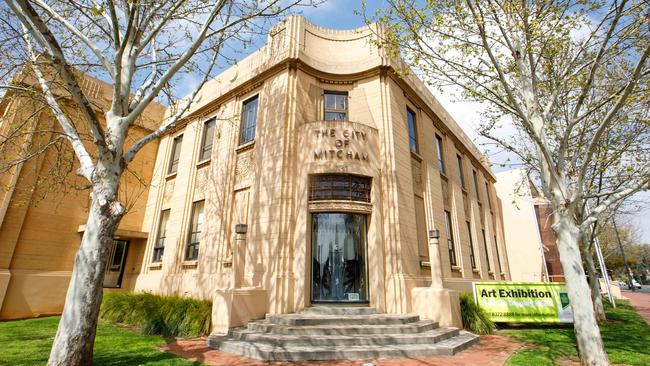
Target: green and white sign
524, 302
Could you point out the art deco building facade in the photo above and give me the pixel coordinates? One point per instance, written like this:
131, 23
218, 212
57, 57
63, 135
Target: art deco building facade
312, 173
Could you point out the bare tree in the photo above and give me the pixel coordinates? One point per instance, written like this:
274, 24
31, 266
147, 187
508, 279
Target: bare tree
143, 48
572, 77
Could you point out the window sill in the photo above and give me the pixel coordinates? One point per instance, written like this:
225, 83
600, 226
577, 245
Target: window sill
188, 264
247, 146
491, 272
443, 175
476, 270
155, 265
171, 176
455, 268
227, 263
202, 164
425, 264
416, 156
465, 191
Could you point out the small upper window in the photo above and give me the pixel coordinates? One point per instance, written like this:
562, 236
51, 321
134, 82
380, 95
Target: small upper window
206, 143
413, 135
248, 120
475, 176
336, 106
441, 161
487, 193
460, 171
176, 154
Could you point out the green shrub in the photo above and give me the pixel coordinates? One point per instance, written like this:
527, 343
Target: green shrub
475, 319
171, 316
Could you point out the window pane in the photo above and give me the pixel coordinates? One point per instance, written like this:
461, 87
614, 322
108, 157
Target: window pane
208, 136
249, 120
159, 245
176, 154
334, 116
413, 139
450, 239
460, 171
339, 187
441, 162
336, 106
196, 229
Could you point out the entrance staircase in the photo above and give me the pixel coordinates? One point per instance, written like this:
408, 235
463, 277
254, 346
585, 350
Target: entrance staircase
337, 333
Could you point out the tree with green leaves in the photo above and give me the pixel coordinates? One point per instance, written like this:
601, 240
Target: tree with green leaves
571, 76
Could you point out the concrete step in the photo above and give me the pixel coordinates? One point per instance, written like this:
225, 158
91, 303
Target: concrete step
310, 319
354, 329
338, 310
429, 337
265, 351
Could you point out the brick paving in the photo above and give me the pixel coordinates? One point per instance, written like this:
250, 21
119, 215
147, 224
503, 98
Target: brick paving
493, 350
641, 302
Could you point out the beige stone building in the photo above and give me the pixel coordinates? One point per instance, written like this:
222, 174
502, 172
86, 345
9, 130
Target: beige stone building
312, 173
43, 206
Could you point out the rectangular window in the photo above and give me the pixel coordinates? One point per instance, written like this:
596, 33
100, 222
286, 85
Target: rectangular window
496, 246
413, 132
475, 176
346, 187
460, 171
487, 255
194, 239
439, 149
176, 154
487, 193
472, 257
450, 239
159, 245
336, 106
248, 120
206, 142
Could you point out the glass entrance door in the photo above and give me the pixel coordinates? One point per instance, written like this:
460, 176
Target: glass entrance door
115, 265
339, 257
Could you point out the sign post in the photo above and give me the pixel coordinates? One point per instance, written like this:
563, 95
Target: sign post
524, 302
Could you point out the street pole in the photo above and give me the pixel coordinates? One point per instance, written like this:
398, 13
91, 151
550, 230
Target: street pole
627, 268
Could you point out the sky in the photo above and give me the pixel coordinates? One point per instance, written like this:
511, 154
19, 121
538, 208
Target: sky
339, 14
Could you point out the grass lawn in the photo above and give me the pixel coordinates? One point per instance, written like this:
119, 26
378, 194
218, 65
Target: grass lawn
28, 342
626, 337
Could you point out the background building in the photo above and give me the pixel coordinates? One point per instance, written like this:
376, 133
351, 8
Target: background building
527, 219
43, 204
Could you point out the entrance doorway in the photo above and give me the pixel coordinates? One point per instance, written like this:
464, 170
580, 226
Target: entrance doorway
115, 265
339, 271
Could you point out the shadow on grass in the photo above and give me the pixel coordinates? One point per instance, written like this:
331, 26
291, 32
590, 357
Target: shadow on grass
28, 342
626, 337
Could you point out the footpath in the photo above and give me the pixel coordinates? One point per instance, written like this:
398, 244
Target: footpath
641, 302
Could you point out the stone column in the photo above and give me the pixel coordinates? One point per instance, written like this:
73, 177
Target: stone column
434, 259
436, 302
236, 306
239, 255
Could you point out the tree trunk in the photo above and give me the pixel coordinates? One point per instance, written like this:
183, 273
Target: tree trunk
75, 336
594, 283
590, 344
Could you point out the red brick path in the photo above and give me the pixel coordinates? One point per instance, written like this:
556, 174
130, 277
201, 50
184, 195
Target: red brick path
641, 302
493, 350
